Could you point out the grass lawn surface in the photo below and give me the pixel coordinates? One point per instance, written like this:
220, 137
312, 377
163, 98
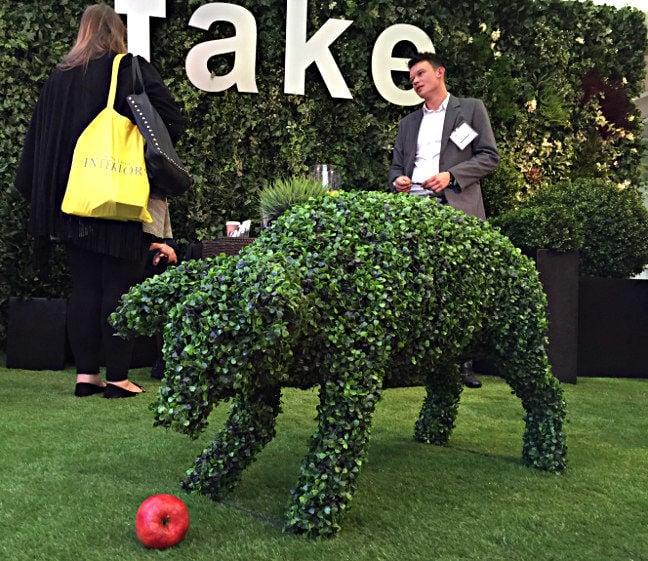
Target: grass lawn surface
74, 471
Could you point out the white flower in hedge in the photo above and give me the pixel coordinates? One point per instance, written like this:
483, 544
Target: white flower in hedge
495, 35
483, 27
531, 105
580, 40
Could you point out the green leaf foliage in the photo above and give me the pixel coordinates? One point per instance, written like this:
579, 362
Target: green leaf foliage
351, 292
607, 224
525, 59
552, 227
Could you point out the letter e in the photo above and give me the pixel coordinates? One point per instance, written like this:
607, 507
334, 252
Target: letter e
383, 63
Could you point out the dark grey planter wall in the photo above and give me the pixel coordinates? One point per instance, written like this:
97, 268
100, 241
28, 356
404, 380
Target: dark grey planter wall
613, 328
36, 334
559, 276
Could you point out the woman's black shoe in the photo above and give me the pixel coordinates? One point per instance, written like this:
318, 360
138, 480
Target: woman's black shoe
113, 391
83, 389
157, 371
468, 376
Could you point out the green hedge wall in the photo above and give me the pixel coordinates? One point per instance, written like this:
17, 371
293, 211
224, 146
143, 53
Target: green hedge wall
526, 59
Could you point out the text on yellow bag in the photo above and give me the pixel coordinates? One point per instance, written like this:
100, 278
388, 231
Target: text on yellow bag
108, 174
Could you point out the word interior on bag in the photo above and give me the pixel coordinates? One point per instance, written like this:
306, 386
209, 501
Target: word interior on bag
301, 52
110, 164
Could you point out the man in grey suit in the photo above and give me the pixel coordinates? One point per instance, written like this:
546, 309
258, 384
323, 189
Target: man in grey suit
444, 148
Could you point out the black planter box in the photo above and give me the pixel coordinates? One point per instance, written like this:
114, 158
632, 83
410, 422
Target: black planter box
36, 333
559, 276
558, 273
613, 328
37, 336
144, 352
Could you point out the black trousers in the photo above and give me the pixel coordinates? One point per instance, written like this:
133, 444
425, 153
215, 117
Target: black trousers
98, 281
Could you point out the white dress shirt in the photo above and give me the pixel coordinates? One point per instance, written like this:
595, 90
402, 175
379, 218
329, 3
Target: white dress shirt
428, 145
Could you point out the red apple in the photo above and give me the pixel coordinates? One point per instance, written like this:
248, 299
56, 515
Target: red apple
161, 521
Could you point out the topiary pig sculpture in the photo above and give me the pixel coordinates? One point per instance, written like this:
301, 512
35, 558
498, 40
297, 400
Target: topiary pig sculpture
351, 292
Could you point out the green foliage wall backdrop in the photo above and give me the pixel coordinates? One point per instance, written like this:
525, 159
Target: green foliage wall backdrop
526, 59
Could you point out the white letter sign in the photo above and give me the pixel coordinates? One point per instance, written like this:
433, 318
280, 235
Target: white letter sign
138, 13
243, 45
382, 61
300, 54
300, 51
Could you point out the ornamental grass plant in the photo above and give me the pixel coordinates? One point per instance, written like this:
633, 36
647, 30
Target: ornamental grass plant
75, 470
282, 194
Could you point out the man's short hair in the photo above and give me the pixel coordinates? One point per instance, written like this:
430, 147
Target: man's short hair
434, 59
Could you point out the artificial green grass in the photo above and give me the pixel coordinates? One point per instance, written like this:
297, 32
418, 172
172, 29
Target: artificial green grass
73, 472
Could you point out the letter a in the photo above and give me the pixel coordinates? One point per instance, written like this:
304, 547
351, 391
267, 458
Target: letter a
300, 54
243, 45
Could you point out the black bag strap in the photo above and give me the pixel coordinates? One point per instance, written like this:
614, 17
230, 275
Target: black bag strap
137, 74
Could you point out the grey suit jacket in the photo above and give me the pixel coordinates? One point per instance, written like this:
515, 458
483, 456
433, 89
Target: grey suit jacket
468, 166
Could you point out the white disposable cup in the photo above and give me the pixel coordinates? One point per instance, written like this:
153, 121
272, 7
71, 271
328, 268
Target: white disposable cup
231, 226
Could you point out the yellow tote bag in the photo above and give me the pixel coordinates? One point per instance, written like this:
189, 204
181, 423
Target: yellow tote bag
108, 174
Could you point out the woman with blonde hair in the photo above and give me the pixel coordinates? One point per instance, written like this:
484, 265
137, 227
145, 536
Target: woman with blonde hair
105, 257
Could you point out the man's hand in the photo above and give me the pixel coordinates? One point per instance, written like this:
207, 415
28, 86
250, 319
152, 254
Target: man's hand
403, 184
437, 183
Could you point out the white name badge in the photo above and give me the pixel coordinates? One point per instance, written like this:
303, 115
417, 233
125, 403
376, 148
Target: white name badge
463, 135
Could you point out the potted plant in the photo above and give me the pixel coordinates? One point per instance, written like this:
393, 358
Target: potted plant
552, 236
588, 237
281, 194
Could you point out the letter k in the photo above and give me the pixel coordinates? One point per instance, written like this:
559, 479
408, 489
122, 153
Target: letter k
300, 54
